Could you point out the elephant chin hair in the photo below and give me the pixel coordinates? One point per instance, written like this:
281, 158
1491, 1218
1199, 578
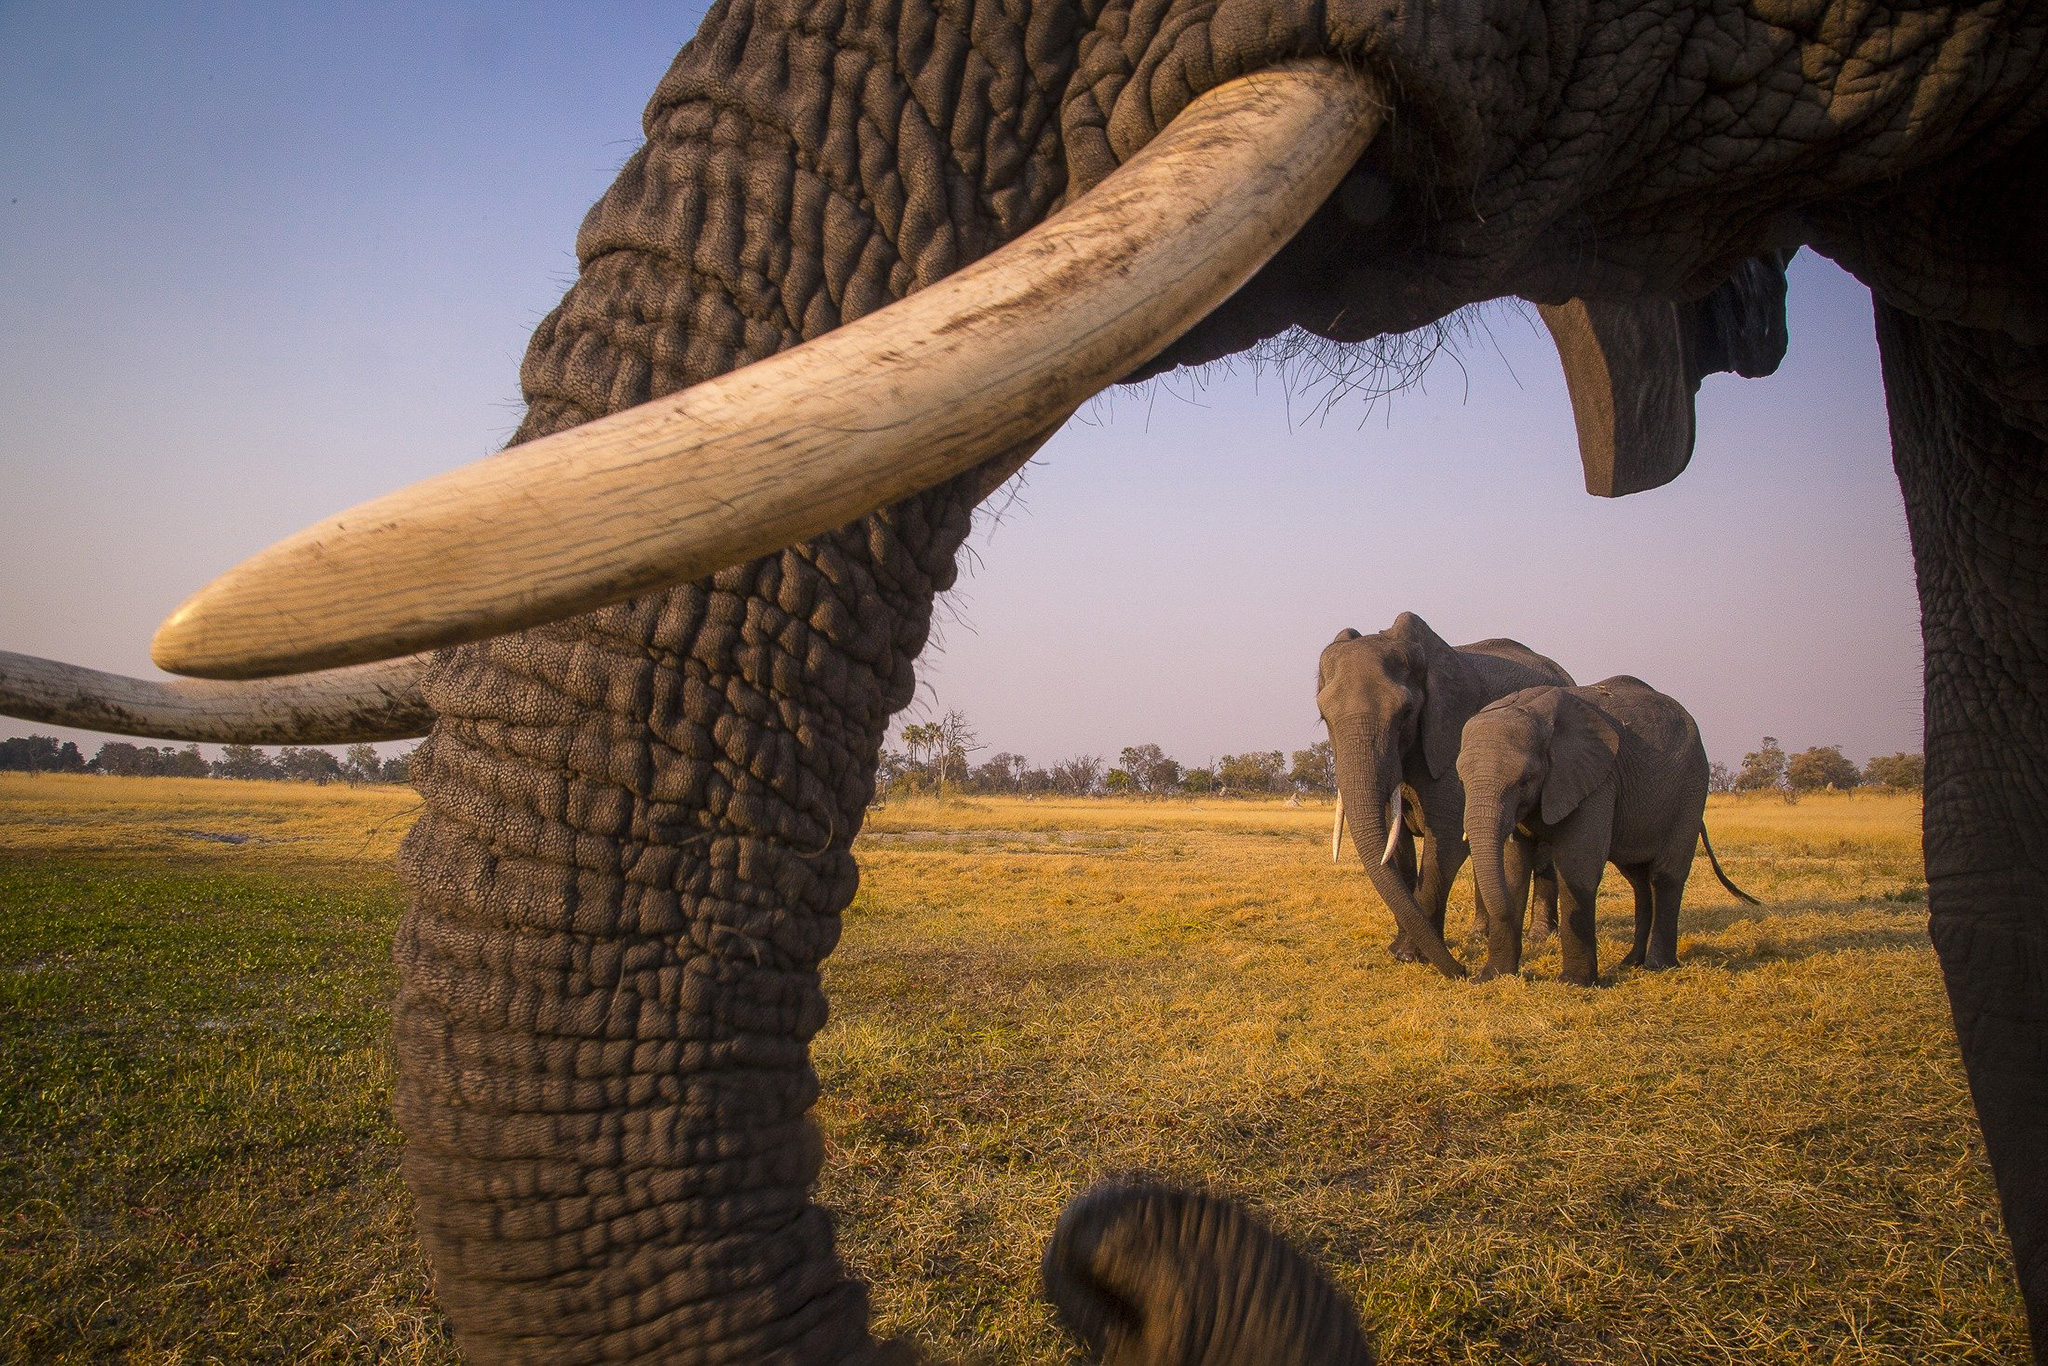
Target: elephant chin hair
1143, 1274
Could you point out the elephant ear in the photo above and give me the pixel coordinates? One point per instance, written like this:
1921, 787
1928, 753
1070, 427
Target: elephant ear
1740, 327
1450, 693
1584, 745
1632, 367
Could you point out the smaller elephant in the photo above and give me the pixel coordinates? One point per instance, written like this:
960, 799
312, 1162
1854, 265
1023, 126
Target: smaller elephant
1609, 773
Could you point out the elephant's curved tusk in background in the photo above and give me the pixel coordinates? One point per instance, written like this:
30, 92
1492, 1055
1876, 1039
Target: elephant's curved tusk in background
981, 362
368, 702
1337, 830
1394, 820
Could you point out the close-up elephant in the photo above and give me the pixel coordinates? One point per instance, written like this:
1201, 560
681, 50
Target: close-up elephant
1611, 772
1395, 704
867, 258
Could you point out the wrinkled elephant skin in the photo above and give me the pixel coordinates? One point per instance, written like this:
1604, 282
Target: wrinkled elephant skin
636, 843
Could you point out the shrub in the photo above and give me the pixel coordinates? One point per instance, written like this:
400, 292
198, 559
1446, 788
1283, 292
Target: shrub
1902, 772
1249, 773
119, 758
1823, 766
1762, 769
245, 761
1314, 768
40, 754
1151, 769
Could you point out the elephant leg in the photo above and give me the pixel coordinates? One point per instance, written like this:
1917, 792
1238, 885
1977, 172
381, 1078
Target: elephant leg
1543, 902
1639, 883
1434, 892
1575, 933
1406, 868
1443, 858
1482, 930
1969, 417
1666, 892
1504, 935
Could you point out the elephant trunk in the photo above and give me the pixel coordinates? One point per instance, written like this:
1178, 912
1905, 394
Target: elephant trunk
635, 847
1368, 775
1488, 826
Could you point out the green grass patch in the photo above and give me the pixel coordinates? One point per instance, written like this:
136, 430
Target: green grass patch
197, 1161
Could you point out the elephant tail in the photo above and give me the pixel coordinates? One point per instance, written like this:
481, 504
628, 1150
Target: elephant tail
1733, 890
1143, 1275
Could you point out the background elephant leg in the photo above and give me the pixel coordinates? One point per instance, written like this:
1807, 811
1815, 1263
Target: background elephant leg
1667, 890
1969, 417
1504, 933
1543, 899
1639, 882
1405, 868
1482, 929
1443, 857
1434, 893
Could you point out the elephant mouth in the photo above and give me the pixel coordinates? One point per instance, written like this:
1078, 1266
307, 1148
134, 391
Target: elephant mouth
974, 371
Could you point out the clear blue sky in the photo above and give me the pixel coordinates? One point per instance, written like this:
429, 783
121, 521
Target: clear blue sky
257, 266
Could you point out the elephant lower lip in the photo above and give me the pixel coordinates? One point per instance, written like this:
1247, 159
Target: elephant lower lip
978, 364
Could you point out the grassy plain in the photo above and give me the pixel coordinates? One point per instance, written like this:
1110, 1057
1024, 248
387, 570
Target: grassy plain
1765, 1156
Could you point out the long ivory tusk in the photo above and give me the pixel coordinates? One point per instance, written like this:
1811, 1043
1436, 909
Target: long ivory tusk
981, 362
367, 702
1394, 823
1337, 829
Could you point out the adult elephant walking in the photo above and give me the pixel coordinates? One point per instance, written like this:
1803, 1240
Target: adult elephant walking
636, 842
1396, 704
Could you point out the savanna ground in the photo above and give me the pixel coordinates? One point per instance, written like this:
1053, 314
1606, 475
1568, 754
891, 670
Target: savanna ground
1765, 1156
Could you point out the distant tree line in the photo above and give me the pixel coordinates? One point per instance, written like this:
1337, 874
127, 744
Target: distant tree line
120, 758
1821, 769
938, 757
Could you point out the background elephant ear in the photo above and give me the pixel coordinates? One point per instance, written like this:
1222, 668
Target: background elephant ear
1632, 367
1584, 745
1450, 695
1145, 1275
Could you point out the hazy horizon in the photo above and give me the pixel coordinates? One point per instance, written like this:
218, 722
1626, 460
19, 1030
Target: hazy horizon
259, 267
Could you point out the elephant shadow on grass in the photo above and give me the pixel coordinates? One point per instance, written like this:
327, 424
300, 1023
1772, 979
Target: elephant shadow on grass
1737, 938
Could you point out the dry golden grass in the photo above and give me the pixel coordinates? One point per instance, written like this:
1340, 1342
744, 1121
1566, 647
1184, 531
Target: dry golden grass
1767, 1155
1764, 1156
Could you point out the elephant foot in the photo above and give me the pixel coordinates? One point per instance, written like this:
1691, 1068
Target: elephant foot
1656, 963
1403, 951
1633, 960
1493, 970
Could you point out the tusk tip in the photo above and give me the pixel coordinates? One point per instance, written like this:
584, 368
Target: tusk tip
186, 644
170, 649
220, 632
